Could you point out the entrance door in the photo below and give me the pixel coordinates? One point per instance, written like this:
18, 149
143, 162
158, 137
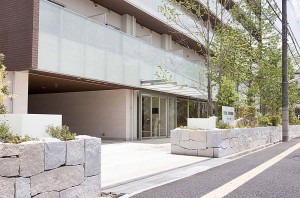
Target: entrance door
146, 116
154, 116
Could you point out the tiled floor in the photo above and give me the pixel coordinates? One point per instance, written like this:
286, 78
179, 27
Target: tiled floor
126, 161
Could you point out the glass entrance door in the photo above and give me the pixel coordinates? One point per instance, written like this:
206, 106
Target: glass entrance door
146, 116
154, 116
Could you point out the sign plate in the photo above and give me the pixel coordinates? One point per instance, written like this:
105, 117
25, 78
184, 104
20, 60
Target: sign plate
228, 115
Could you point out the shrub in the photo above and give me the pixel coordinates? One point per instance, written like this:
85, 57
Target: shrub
275, 119
293, 120
60, 132
7, 137
223, 125
264, 121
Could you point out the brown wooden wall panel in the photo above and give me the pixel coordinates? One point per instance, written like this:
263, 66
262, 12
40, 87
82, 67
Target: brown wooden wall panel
19, 25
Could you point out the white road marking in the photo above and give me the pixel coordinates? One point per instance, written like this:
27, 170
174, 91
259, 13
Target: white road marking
239, 181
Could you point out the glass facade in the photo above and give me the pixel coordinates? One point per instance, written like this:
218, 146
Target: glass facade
193, 109
154, 115
182, 111
75, 45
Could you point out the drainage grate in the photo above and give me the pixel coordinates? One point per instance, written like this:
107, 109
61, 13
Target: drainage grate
111, 195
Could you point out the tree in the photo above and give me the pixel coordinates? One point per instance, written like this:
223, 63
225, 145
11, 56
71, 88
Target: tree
227, 95
245, 50
198, 28
4, 91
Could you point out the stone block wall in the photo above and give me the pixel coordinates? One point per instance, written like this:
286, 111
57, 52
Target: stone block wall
294, 131
224, 142
51, 168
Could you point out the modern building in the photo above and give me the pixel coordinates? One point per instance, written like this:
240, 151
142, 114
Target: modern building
115, 69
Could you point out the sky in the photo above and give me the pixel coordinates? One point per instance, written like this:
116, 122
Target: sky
293, 12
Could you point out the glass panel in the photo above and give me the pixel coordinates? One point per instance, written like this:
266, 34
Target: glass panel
163, 116
146, 116
155, 116
182, 112
172, 114
193, 109
203, 110
76, 45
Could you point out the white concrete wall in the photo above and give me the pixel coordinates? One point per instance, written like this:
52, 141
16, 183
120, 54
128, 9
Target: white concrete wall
19, 88
97, 113
34, 125
202, 123
87, 8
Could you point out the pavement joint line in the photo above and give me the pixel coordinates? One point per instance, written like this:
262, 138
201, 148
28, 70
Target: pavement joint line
104, 188
239, 181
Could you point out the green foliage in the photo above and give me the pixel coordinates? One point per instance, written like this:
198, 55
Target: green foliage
226, 96
4, 92
275, 119
223, 125
248, 114
264, 121
60, 132
242, 125
293, 120
250, 57
7, 137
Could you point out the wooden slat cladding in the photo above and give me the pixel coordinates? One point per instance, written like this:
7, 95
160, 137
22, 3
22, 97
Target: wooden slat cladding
19, 25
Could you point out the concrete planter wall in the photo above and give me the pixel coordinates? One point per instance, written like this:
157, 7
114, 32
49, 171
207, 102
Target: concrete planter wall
223, 142
51, 168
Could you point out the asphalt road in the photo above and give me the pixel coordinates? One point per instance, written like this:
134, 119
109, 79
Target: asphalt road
281, 180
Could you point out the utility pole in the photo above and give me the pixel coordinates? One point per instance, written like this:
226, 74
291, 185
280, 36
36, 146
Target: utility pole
285, 98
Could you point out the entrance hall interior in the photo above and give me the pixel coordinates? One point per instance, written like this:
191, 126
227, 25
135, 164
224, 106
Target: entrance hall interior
110, 111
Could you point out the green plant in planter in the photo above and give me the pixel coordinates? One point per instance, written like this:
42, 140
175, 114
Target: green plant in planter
60, 132
223, 125
7, 137
264, 121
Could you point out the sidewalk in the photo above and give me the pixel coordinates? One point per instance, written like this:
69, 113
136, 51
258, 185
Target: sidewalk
124, 162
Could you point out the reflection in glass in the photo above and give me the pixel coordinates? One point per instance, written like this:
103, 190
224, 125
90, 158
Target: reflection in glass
146, 115
163, 117
155, 116
182, 112
193, 109
172, 113
203, 110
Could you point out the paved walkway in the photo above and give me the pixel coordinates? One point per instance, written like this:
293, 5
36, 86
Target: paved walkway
123, 162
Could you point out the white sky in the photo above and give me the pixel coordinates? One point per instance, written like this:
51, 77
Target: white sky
293, 10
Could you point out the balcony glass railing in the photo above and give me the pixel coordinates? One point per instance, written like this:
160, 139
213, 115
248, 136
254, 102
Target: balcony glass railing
75, 45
